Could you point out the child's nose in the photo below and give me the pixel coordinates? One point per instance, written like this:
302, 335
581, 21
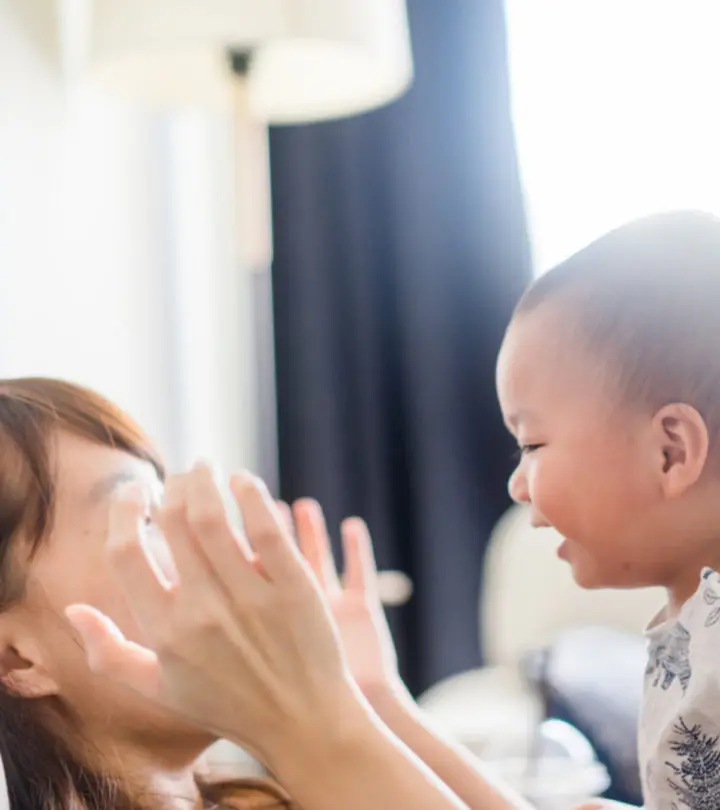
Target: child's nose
517, 486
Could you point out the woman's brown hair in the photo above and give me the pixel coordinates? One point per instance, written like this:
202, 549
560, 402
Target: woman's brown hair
42, 771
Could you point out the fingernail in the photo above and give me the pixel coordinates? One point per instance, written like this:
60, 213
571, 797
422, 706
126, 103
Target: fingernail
244, 479
354, 524
312, 508
249, 480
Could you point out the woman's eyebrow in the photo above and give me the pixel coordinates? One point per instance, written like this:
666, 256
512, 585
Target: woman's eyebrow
105, 486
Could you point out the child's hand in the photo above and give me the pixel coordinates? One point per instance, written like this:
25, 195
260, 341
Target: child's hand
355, 601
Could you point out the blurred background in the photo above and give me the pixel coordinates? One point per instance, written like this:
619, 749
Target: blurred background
291, 238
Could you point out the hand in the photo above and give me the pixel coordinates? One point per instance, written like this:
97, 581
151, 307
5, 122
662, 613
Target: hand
354, 602
242, 646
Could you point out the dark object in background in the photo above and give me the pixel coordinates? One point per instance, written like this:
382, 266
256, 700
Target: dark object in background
592, 678
400, 251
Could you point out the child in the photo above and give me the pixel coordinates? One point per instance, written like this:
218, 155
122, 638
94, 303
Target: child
609, 378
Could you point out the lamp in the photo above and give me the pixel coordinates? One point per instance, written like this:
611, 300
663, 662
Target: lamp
275, 62
311, 59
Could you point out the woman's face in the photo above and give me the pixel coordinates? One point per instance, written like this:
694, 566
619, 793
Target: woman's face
72, 568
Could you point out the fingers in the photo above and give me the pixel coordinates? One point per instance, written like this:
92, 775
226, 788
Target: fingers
389, 588
287, 517
142, 581
110, 654
192, 565
265, 529
208, 520
314, 543
360, 568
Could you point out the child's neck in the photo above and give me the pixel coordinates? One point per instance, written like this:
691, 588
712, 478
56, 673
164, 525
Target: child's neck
675, 602
692, 531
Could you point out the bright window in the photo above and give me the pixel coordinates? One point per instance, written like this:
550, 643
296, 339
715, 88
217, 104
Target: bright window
616, 106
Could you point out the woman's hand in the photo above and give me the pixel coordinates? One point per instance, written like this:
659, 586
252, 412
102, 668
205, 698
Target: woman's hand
354, 601
244, 646
241, 645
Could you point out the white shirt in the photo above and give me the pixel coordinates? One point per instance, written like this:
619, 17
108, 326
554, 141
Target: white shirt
679, 734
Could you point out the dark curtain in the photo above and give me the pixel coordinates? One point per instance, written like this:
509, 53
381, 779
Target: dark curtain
401, 248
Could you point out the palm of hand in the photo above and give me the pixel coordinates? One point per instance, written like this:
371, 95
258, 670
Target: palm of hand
354, 603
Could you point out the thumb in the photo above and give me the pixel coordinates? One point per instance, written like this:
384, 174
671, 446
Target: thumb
110, 654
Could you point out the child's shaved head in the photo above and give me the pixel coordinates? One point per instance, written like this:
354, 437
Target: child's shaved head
609, 380
647, 297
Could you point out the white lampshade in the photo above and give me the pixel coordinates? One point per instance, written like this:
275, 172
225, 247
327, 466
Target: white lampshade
311, 59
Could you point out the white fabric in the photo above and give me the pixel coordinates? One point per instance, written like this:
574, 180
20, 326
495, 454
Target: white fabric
680, 724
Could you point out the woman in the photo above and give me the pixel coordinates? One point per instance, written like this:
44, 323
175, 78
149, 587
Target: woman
69, 739
136, 628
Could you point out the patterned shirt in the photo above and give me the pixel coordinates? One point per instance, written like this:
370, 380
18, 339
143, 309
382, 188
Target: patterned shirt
679, 735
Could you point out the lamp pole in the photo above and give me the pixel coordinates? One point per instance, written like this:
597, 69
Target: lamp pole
254, 256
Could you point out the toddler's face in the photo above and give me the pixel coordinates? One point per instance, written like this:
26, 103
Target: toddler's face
588, 466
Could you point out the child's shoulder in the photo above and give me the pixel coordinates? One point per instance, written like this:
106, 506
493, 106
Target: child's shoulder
700, 612
702, 607
681, 708
691, 635
709, 574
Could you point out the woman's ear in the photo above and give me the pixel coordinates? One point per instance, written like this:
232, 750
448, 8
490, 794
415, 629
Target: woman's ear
22, 672
682, 442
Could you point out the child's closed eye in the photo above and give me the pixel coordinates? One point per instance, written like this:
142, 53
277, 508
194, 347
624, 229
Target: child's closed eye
526, 449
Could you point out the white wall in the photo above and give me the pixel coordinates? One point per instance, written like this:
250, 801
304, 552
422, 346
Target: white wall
105, 212
118, 262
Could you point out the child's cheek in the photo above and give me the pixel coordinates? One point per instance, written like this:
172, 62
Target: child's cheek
550, 495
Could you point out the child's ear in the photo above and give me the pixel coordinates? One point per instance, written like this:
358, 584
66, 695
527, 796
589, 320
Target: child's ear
683, 443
